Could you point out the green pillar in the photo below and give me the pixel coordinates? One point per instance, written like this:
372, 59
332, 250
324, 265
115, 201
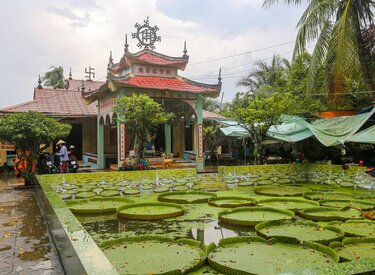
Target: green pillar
199, 151
118, 145
101, 157
168, 138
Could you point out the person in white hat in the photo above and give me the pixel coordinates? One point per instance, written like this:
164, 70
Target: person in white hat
64, 158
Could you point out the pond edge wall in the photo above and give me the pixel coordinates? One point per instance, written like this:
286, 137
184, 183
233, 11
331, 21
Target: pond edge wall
77, 251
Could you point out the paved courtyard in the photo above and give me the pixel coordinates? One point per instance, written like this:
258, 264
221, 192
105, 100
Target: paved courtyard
25, 244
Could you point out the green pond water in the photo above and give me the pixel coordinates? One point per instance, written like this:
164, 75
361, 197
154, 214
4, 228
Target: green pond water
200, 221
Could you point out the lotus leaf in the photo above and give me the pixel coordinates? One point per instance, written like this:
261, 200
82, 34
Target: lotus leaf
303, 231
251, 216
340, 203
257, 256
150, 211
330, 214
97, 205
154, 255
356, 248
288, 203
186, 197
231, 202
281, 190
356, 228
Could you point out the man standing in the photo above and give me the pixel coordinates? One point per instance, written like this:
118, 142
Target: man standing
64, 159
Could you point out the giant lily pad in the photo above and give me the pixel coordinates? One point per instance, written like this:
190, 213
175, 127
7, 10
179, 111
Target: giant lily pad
317, 196
252, 255
340, 203
250, 216
292, 204
97, 205
231, 202
109, 193
281, 190
355, 248
356, 228
154, 255
300, 230
186, 197
85, 195
150, 211
330, 214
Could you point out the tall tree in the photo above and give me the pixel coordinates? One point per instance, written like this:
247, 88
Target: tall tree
28, 131
54, 78
338, 28
266, 77
143, 115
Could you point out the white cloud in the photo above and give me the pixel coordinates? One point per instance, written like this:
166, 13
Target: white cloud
80, 33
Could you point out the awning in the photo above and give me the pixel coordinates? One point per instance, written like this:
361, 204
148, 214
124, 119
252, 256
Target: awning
365, 136
330, 132
235, 131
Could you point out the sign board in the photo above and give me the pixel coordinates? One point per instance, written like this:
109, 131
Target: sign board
200, 142
7, 146
122, 142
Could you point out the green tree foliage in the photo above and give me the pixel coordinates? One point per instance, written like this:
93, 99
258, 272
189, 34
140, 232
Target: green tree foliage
257, 113
54, 78
143, 115
265, 78
275, 89
27, 131
339, 28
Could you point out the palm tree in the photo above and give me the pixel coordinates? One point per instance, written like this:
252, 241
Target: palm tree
266, 77
338, 28
54, 78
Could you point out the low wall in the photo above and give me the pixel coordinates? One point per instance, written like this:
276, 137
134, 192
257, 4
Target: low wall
78, 252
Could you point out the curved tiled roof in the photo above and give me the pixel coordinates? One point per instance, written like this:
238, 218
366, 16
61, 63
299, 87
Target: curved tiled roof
171, 84
55, 102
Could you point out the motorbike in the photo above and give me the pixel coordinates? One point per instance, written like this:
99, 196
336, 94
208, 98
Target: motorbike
73, 166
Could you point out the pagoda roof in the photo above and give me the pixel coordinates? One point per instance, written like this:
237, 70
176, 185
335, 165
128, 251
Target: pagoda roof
74, 84
56, 102
177, 84
150, 58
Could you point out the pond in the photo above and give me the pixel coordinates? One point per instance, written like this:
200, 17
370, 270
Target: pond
259, 220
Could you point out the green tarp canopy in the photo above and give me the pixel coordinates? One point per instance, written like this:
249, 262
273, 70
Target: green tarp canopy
330, 132
365, 136
235, 131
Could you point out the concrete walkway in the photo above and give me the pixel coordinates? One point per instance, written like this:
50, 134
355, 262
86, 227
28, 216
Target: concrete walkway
25, 244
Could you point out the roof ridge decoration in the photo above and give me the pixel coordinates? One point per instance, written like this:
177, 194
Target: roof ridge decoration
146, 35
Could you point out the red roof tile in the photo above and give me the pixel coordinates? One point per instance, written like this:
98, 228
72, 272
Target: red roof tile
56, 102
172, 84
158, 60
73, 84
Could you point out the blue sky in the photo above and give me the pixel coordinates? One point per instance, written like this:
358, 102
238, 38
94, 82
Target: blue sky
80, 33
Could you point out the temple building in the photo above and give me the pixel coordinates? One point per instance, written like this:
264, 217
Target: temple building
156, 75
87, 105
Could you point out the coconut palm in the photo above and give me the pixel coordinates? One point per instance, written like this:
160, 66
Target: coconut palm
54, 78
266, 77
337, 27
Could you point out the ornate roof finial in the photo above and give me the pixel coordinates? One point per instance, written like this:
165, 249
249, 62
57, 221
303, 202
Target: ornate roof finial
146, 35
219, 78
40, 83
82, 86
126, 49
185, 50
110, 59
70, 73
